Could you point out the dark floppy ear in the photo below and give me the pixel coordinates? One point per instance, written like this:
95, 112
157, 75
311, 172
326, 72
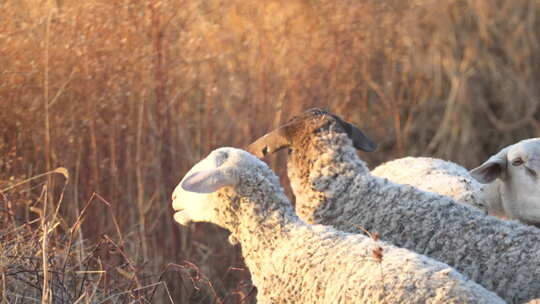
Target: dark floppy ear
493, 168
359, 139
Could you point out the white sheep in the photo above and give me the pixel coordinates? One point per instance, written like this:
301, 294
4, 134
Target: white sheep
295, 262
439, 176
333, 186
513, 184
506, 185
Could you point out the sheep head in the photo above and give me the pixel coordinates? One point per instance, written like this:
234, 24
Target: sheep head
517, 167
302, 126
226, 186
190, 197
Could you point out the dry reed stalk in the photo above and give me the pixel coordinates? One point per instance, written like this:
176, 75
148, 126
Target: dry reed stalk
140, 182
129, 113
46, 295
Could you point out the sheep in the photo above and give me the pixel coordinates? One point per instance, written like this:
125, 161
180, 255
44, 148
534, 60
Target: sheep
439, 176
506, 185
295, 262
512, 183
333, 186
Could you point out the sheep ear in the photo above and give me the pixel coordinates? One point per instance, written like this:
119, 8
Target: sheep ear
269, 143
492, 169
207, 181
360, 140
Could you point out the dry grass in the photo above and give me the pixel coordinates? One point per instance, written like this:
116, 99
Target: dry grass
128, 95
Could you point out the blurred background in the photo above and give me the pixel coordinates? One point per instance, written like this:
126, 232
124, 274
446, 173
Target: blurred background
127, 95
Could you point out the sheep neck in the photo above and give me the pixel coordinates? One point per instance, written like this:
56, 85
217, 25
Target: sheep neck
320, 168
492, 195
258, 215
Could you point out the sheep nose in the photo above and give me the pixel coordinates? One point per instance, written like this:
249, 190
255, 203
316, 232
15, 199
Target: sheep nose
173, 197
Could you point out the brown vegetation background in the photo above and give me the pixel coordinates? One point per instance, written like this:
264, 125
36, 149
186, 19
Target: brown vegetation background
127, 95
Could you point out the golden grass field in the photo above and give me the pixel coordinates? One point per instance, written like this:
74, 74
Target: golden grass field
125, 96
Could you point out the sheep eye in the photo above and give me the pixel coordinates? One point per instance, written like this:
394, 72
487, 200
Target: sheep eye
517, 162
532, 173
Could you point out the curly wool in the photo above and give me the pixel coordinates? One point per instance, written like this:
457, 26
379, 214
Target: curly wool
438, 176
333, 186
295, 262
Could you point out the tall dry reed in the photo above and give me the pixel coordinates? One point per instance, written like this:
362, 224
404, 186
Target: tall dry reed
128, 95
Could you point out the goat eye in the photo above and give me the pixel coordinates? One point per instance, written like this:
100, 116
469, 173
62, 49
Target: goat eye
517, 162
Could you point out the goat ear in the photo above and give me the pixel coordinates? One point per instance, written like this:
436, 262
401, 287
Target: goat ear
493, 168
207, 181
360, 140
